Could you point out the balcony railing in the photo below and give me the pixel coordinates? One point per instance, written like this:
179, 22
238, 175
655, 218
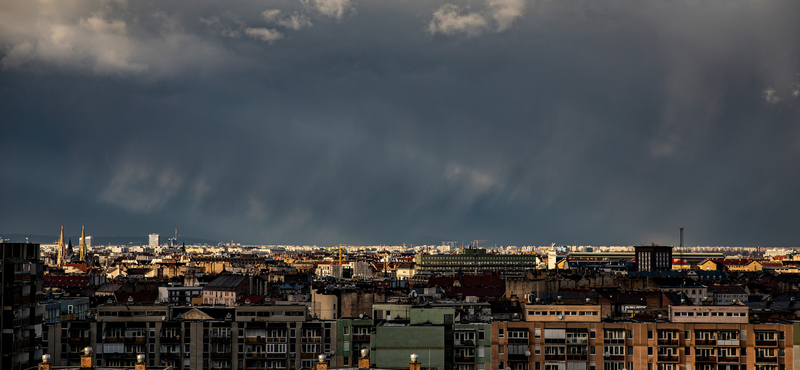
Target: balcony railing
311, 339
221, 355
361, 337
766, 343
577, 340
705, 359
220, 339
728, 342
668, 358
255, 340
577, 356
614, 340
554, 357
276, 339
276, 355
766, 360
731, 359
705, 342
170, 339
668, 342
470, 359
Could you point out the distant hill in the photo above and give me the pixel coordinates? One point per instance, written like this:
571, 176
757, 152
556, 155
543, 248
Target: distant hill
101, 240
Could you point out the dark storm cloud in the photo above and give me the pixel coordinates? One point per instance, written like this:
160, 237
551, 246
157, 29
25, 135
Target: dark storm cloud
328, 121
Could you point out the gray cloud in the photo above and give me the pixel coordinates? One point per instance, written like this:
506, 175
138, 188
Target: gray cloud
565, 122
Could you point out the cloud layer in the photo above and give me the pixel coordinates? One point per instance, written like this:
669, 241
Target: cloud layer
338, 121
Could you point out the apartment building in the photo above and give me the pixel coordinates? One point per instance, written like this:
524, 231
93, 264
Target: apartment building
21, 271
718, 338
475, 261
276, 337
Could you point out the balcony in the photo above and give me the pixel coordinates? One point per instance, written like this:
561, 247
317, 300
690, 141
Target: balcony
517, 341
276, 340
766, 343
255, 355
728, 359
668, 358
615, 358
469, 359
170, 339
360, 337
554, 357
255, 340
577, 356
221, 355
705, 359
577, 340
514, 357
170, 355
134, 339
311, 339
464, 343
78, 340
614, 340
112, 340
728, 342
220, 339
705, 342
276, 355
668, 342
766, 360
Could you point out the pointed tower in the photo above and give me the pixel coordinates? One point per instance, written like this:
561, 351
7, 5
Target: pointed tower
61, 256
82, 251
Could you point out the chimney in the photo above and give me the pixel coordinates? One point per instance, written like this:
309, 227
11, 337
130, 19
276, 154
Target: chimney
363, 362
86, 359
321, 365
140, 365
45, 364
414, 365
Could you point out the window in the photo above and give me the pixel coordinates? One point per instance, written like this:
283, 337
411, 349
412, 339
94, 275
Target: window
592, 350
537, 332
630, 350
592, 334
501, 365
346, 330
501, 349
649, 351
630, 334
501, 333
649, 334
347, 361
687, 335
480, 335
537, 349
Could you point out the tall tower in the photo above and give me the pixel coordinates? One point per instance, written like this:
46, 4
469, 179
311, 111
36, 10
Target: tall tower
82, 251
62, 252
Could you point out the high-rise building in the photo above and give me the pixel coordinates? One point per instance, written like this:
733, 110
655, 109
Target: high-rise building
22, 274
653, 258
155, 240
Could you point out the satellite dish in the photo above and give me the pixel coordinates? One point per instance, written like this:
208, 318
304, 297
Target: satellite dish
560, 317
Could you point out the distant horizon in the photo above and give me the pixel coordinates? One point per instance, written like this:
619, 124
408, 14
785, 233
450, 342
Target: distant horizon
143, 241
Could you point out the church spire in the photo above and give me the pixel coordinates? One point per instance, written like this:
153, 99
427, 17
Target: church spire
61, 257
82, 251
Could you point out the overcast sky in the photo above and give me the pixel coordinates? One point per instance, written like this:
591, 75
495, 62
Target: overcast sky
587, 122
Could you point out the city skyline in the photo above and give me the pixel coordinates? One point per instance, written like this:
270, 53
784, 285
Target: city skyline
346, 121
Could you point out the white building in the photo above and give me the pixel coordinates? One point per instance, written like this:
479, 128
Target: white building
155, 240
